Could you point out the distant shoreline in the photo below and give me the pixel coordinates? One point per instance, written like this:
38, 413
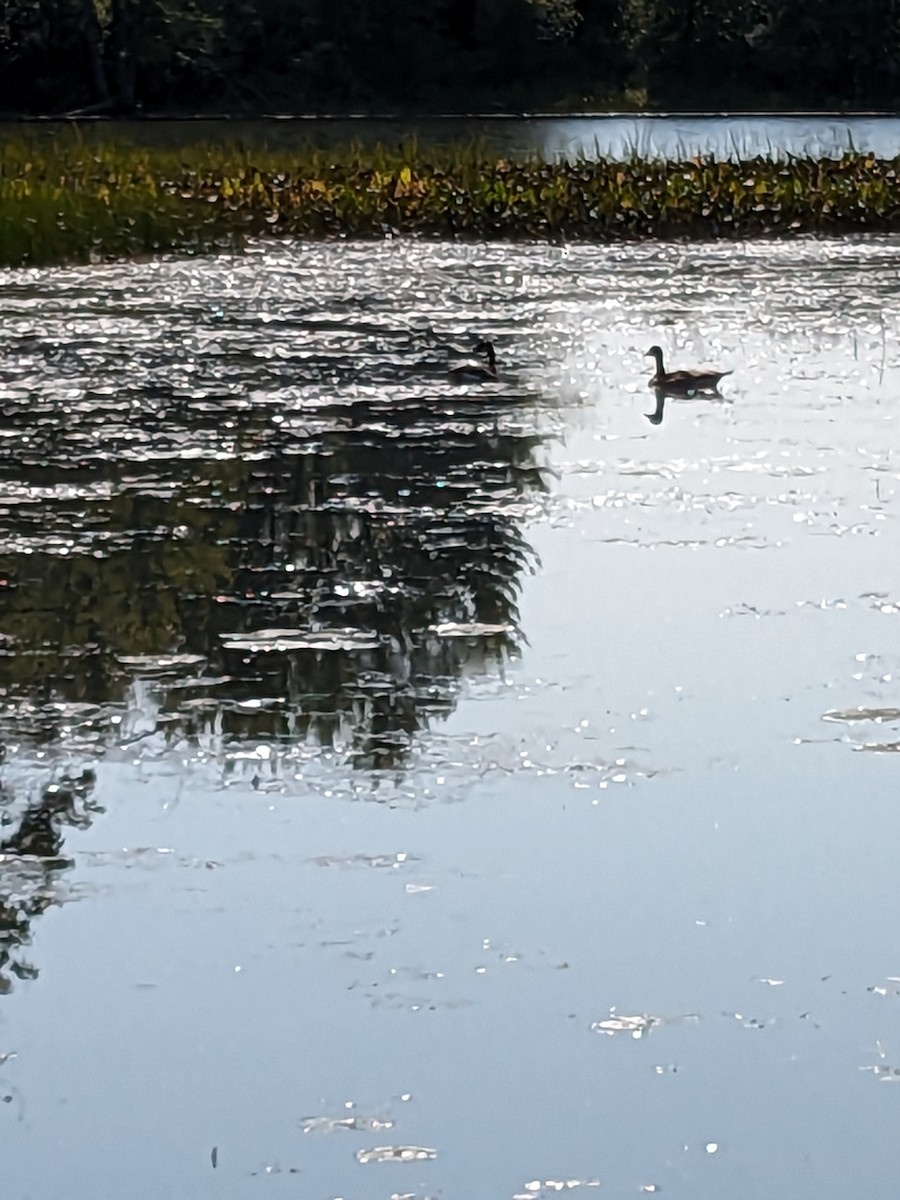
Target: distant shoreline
85, 199
403, 116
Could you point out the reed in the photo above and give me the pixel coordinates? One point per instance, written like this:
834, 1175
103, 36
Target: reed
73, 199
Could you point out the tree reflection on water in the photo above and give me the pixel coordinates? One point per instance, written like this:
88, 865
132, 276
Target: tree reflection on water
329, 582
32, 860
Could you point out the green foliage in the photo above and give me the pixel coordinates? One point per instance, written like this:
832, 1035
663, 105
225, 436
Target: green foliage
114, 55
819, 53
75, 201
329, 55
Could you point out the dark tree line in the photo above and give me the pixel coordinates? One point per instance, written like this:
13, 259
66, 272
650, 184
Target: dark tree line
321, 55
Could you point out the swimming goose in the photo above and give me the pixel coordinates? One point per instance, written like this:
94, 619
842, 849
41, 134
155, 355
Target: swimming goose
683, 383
477, 372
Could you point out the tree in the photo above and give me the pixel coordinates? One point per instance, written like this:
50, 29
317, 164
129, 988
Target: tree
849, 53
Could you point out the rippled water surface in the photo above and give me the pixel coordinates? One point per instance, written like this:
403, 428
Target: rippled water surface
651, 136
417, 789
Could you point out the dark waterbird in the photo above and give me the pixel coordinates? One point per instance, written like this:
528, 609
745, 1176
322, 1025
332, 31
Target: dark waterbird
477, 372
684, 382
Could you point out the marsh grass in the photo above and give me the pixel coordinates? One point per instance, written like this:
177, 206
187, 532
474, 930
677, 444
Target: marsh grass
73, 199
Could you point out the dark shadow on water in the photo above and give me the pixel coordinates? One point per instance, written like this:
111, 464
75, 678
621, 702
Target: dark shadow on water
334, 582
310, 556
32, 861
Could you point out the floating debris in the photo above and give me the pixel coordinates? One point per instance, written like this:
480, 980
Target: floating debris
396, 1154
637, 1026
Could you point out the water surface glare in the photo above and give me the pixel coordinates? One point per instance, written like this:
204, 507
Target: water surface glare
588, 135
411, 788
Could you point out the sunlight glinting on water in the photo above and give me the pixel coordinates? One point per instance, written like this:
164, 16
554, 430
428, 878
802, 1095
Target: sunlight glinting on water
466, 788
615, 136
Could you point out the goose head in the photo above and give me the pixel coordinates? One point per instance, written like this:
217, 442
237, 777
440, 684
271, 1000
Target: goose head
483, 346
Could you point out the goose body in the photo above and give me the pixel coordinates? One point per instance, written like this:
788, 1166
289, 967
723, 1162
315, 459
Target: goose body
684, 382
474, 372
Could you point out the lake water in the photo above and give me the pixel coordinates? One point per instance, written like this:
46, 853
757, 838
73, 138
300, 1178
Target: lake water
412, 789
617, 136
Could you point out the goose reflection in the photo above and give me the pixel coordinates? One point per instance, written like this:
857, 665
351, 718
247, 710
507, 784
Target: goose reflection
656, 417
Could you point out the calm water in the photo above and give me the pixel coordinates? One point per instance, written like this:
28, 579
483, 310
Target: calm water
415, 790
619, 136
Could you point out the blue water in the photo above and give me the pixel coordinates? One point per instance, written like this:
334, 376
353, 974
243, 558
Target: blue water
618, 136
412, 789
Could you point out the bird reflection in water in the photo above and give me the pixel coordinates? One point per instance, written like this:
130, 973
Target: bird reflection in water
656, 417
663, 394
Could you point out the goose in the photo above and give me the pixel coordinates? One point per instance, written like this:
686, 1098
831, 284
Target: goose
683, 383
477, 372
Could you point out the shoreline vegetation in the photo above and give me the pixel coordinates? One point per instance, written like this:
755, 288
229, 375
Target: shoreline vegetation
615, 106
79, 200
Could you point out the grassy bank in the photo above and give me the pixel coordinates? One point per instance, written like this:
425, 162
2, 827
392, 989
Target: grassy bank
78, 201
